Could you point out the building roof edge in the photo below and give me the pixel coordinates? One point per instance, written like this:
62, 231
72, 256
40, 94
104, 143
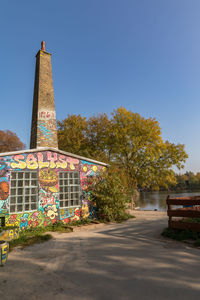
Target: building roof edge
55, 150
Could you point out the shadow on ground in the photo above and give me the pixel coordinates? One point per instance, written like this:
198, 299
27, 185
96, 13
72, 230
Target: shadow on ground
122, 261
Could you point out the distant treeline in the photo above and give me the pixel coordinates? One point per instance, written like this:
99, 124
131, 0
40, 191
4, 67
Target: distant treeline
187, 181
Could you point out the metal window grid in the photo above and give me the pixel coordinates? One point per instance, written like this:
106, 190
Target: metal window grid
69, 189
23, 191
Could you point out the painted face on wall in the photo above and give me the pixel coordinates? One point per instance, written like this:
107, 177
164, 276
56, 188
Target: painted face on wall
4, 190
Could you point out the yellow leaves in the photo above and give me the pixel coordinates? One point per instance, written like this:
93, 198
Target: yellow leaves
128, 140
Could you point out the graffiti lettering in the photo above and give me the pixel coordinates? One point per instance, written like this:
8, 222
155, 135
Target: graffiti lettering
46, 115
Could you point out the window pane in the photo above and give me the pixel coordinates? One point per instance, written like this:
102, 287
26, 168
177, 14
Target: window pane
27, 182
20, 183
13, 183
20, 175
33, 191
33, 206
61, 203
27, 175
66, 203
19, 199
34, 175
66, 196
77, 196
26, 206
33, 182
27, 199
12, 200
12, 208
20, 191
61, 182
19, 207
13, 191
13, 175
27, 191
33, 198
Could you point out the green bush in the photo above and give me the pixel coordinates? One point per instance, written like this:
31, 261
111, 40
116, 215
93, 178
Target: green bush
107, 194
181, 235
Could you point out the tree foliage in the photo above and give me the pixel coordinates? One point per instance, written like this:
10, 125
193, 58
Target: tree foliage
130, 142
9, 141
108, 195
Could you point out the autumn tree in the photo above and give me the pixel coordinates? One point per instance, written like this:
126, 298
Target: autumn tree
9, 141
72, 135
138, 148
130, 142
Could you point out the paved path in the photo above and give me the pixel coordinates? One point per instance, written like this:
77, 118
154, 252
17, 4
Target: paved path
120, 261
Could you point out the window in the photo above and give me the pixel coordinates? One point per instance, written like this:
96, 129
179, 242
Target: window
69, 189
23, 191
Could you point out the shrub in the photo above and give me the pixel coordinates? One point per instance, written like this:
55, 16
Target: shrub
107, 193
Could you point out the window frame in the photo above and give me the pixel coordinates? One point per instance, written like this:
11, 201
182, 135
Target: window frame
63, 186
24, 187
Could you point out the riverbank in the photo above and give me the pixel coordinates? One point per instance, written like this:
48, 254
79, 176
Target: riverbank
157, 199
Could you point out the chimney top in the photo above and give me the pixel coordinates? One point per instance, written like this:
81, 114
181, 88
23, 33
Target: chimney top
43, 45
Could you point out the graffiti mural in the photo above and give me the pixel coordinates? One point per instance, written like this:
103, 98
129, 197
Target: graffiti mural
46, 129
41, 160
70, 214
48, 164
9, 234
25, 220
4, 187
49, 197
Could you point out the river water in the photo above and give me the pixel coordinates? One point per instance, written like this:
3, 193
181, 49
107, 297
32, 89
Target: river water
157, 200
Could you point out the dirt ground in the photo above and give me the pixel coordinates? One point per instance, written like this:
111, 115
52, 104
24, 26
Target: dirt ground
118, 261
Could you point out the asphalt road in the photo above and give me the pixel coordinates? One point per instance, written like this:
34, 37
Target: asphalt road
121, 261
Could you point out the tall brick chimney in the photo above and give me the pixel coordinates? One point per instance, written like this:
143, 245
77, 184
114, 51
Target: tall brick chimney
43, 129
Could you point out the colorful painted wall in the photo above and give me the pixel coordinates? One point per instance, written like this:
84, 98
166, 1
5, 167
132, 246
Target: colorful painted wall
48, 164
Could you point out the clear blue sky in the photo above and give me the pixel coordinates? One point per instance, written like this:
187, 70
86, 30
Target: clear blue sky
144, 55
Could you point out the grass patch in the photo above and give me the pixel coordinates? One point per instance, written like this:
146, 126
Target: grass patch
125, 217
37, 235
120, 219
26, 240
182, 235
